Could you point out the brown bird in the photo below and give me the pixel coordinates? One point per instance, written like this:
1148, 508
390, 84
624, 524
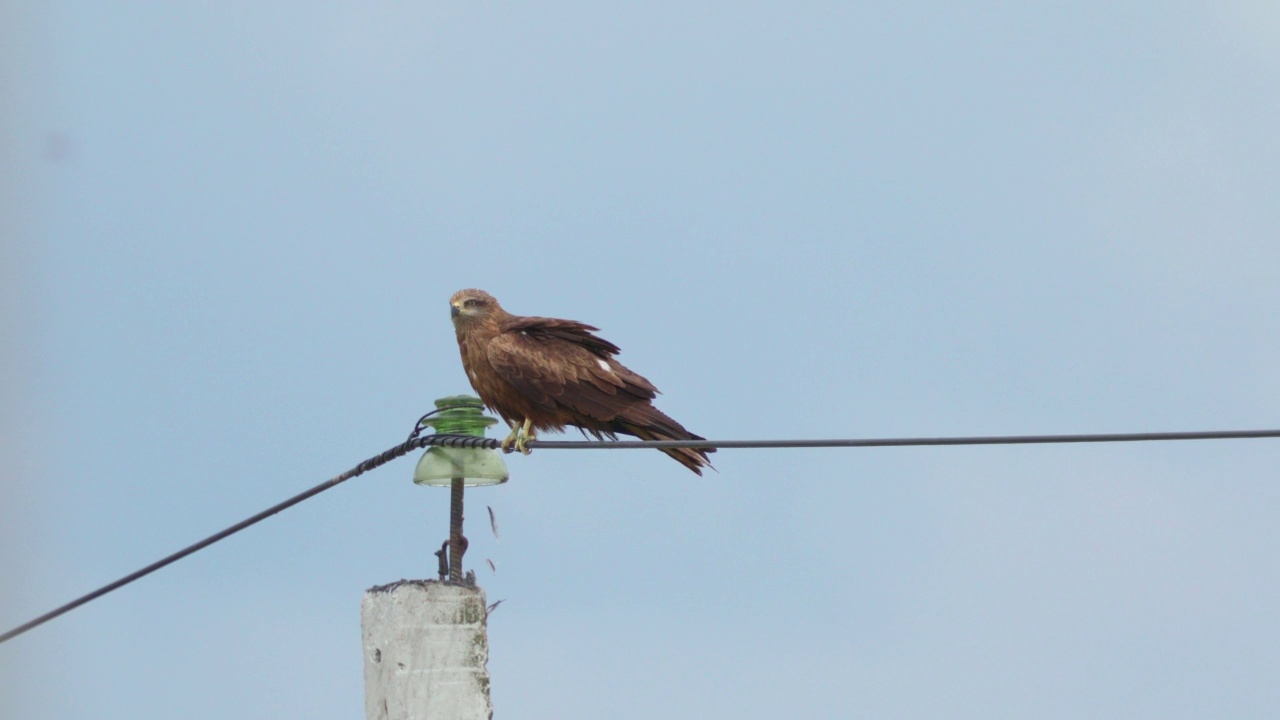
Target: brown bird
543, 374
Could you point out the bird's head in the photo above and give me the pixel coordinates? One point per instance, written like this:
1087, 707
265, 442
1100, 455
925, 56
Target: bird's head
470, 305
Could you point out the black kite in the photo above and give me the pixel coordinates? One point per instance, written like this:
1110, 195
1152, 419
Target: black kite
543, 374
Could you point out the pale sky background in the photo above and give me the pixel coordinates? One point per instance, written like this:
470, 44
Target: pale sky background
230, 235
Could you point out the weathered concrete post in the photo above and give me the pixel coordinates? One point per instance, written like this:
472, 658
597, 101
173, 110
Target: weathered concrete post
425, 650
426, 642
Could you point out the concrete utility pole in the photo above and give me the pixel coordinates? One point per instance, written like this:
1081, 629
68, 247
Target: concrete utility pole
425, 650
426, 642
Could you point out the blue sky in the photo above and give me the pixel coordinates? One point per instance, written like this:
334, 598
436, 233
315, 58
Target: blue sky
230, 238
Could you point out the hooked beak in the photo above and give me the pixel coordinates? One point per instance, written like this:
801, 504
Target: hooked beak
454, 311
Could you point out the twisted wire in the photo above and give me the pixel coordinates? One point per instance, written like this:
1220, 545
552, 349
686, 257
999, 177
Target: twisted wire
364, 467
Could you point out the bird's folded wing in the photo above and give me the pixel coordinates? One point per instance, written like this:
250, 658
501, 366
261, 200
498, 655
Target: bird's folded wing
559, 370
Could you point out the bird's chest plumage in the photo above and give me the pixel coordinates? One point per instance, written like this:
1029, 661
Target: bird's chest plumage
498, 394
476, 362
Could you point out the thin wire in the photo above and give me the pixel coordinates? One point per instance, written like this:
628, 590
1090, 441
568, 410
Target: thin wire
904, 442
415, 443
419, 426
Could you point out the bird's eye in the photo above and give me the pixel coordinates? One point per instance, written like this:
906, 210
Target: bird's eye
470, 303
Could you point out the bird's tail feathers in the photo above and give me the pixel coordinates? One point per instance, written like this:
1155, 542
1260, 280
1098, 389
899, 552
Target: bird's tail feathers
651, 424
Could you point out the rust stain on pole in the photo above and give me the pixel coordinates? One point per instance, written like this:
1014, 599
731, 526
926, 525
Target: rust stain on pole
457, 543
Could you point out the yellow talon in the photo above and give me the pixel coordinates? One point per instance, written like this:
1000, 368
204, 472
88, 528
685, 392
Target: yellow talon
520, 434
524, 435
511, 439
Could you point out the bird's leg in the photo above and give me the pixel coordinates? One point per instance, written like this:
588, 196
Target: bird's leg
520, 434
511, 439
524, 435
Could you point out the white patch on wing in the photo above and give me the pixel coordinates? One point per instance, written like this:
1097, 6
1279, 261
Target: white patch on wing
604, 365
471, 375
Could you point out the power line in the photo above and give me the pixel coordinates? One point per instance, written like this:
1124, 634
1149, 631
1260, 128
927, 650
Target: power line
906, 442
373, 462
415, 443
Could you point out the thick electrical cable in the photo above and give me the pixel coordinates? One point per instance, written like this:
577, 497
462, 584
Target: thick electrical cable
907, 442
415, 442
412, 444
